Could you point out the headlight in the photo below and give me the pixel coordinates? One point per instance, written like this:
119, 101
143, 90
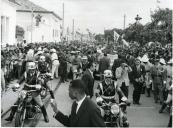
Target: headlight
115, 109
99, 99
75, 71
123, 98
22, 94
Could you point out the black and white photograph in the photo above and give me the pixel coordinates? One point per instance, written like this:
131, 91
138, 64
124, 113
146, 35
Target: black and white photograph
86, 63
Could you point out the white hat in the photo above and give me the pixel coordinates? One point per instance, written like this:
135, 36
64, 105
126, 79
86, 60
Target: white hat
138, 58
39, 52
144, 58
84, 57
99, 51
53, 50
39, 49
162, 61
170, 61
72, 52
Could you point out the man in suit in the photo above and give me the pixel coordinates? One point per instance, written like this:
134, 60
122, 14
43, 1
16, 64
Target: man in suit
88, 79
117, 63
137, 78
104, 64
84, 112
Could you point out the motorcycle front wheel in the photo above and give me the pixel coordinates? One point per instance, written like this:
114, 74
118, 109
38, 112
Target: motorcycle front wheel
20, 118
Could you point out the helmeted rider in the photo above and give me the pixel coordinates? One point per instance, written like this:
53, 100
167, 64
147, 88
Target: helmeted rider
31, 80
108, 89
44, 69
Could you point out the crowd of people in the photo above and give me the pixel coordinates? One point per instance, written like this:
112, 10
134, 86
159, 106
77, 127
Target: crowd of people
147, 68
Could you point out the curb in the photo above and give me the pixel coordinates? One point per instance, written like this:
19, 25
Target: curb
46, 98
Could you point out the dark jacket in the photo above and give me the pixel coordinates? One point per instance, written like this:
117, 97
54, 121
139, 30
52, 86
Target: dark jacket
88, 115
137, 74
117, 63
104, 64
89, 82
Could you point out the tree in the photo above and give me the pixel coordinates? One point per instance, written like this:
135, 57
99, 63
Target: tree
99, 37
158, 30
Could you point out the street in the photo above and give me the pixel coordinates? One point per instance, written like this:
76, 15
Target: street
54, 41
145, 115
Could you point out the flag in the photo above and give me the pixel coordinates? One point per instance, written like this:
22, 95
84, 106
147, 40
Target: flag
125, 42
116, 36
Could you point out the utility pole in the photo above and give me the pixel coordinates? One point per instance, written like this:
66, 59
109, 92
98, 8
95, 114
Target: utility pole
73, 30
32, 14
124, 21
63, 21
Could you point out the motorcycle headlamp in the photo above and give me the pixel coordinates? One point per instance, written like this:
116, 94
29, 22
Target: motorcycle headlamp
99, 99
22, 94
115, 109
75, 71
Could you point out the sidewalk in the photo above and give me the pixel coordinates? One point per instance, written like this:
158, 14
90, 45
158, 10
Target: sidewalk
10, 97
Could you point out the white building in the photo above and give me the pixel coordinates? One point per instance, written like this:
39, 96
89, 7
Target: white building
8, 21
47, 29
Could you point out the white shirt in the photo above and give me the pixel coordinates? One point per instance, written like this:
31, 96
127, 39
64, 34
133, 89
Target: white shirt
123, 77
54, 56
79, 103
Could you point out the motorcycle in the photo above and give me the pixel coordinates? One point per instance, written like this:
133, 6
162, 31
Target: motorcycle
114, 114
26, 106
45, 77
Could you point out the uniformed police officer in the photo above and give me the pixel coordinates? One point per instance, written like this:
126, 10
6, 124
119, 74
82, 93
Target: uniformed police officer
31, 80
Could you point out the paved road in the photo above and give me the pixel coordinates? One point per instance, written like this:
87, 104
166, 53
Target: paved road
145, 115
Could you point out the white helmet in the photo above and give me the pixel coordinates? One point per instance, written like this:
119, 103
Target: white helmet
39, 49
84, 58
107, 73
31, 65
162, 61
53, 50
42, 58
170, 61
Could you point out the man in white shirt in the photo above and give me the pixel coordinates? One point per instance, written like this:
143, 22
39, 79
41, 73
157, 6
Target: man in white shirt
55, 63
123, 78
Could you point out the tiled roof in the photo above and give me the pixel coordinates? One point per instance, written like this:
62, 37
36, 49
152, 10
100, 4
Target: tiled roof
14, 1
27, 5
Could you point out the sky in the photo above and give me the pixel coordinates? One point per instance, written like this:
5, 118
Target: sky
98, 15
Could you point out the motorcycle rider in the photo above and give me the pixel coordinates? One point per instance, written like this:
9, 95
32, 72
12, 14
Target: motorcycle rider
31, 81
108, 89
44, 68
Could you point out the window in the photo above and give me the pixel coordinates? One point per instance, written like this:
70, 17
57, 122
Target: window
4, 29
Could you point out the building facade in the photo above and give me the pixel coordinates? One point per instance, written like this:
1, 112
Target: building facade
47, 30
8, 22
39, 24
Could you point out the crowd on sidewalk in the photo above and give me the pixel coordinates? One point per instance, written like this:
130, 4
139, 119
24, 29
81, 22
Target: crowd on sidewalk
148, 68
